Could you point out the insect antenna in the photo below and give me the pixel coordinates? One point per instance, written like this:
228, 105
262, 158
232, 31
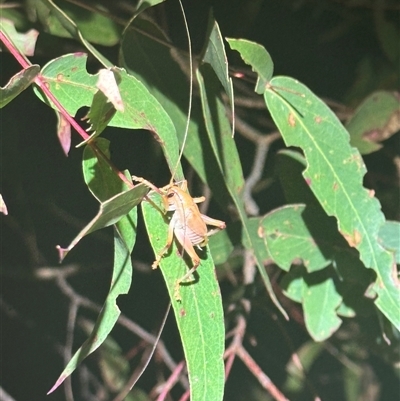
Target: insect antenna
190, 92
121, 396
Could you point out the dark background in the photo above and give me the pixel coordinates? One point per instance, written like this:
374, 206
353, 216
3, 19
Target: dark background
321, 43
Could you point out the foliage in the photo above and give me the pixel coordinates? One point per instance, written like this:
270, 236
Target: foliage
325, 245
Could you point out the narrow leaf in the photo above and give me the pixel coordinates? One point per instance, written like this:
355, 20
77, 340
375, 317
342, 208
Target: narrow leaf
111, 211
226, 154
258, 58
17, 84
199, 315
124, 239
120, 284
59, 23
215, 55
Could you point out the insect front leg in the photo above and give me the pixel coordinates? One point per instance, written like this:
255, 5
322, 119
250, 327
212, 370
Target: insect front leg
163, 251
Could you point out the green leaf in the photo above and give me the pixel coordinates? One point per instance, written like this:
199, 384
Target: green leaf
99, 176
18, 83
24, 42
307, 355
145, 56
220, 247
289, 238
111, 211
121, 211
144, 4
95, 27
376, 119
389, 238
74, 87
113, 364
319, 292
66, 19
322, 245
199, 315
292, 283
320, 302
106, 101
216, 57
322, 242
124, 235
17, 16
99, 116
226, 154
258, 58
334, 173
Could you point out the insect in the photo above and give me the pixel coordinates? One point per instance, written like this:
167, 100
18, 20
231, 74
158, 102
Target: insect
187, 224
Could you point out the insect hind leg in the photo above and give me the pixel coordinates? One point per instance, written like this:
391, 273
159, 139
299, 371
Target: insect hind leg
187, 246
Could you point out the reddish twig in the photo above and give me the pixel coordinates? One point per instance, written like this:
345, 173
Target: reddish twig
262, 378
236, 348
41, 83
171, 381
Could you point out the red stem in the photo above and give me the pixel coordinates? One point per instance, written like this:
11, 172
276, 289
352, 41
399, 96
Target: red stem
40, 82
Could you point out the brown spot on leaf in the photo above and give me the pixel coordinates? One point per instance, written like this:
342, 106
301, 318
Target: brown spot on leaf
182, 312
260, 232
335, 186
353, 239
155, 134
371, 193
60, 77
318, 119
291, 120
308, 181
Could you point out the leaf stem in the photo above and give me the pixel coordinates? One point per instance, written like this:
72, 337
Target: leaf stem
41, 83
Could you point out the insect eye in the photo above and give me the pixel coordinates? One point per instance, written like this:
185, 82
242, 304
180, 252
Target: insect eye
170, 195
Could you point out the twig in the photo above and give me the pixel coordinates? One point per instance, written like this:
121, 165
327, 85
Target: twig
262, 378
249, 268
69, 292
255, 175
263, 143
230, 352
135, 377
71, 322
171, 381
41, 83
236, 348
